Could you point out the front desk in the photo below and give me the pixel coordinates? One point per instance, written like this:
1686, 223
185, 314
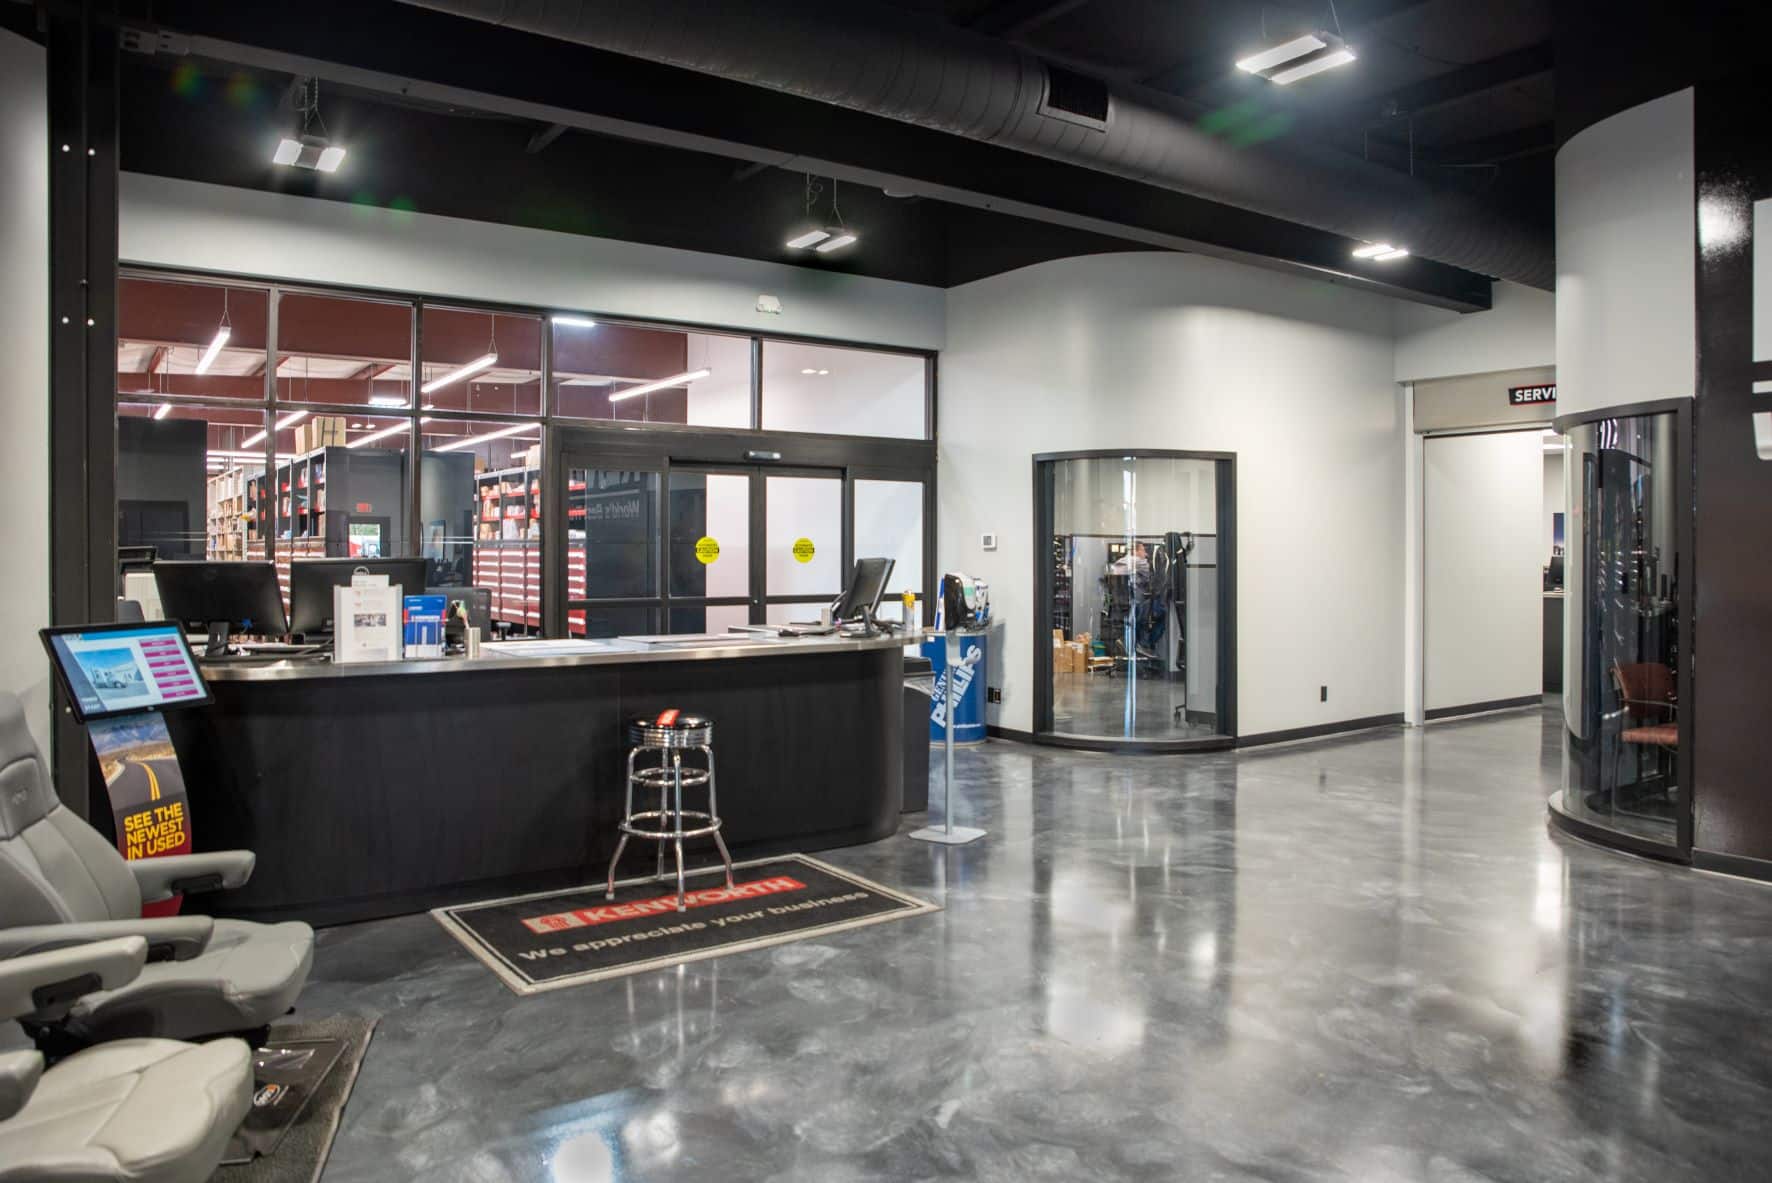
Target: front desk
376, 789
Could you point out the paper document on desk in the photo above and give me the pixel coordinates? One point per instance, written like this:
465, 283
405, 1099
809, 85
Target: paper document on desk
366, 622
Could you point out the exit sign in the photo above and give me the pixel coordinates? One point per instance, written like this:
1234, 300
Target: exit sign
1525, 396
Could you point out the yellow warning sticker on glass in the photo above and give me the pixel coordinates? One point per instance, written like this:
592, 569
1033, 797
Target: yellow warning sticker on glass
803, 550
707, 550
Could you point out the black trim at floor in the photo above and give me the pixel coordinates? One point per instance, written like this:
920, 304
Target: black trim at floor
1732, 864
1477, 708
1591, 832
1319, 730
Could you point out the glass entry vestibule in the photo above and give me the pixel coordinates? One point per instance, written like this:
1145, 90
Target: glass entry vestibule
693, 532
1134, 621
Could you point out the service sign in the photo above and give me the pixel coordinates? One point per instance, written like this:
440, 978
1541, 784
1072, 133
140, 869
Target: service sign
1526, 396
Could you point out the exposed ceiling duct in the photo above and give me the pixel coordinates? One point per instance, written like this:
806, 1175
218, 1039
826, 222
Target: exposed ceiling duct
875, 59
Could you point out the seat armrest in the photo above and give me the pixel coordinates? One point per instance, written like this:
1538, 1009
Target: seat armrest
45, 983
216, 870
169, 938
19, 1072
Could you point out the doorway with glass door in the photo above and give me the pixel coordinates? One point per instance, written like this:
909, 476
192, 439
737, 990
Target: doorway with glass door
686, 546
1135, 603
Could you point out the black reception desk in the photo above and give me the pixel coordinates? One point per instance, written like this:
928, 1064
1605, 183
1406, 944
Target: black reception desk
376, 789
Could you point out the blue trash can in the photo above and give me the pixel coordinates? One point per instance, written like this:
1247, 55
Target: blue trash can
969, 710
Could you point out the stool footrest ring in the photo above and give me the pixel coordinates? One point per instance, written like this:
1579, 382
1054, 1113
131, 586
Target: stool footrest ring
663, 815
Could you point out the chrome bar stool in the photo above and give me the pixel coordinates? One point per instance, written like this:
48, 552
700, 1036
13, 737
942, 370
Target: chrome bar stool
670, 734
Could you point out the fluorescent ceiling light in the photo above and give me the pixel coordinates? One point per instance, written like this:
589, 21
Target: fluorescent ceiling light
575, 322
483, 362
163, 410
311, 152
386, 400
809, 370
661, 384
289, 420
1267, 59
471, 440
837, 241
208, 358
1338, 57
1373, 248
1394, 253
808, 238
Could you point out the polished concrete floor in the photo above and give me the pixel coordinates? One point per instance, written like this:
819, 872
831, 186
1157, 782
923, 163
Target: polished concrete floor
1120, 707
1362, 959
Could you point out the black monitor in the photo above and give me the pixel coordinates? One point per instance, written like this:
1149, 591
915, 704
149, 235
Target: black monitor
861, 599
311, 582
124, 669
221, 598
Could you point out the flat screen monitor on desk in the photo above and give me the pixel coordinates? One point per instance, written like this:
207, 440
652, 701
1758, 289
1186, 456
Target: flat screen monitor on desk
861, 599
124, 669
221, 599
311, 582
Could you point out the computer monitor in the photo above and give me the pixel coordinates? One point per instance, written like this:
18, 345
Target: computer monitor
861, 599
1553, 574
124, 669
221, 598
311, 582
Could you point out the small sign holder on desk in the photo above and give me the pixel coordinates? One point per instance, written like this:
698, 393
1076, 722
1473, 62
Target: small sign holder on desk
948, 834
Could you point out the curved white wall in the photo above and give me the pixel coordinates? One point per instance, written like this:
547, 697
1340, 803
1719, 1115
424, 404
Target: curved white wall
1627, 323
1181, 351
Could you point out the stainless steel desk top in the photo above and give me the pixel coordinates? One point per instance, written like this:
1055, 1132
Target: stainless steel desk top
553, 654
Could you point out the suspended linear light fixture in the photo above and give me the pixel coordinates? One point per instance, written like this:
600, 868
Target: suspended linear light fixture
822, 239
1380, 252
375, 437
575, 322
471, 440
307, 148
1301, 56
661, 384
221, 338
289, 420
484, 362
163, 410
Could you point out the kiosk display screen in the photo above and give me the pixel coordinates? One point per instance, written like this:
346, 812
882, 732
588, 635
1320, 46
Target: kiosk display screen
112, 670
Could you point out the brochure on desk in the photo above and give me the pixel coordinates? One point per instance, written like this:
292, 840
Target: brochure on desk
366, 620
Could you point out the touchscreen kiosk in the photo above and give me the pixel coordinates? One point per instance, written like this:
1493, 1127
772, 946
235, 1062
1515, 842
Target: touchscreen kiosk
124, 669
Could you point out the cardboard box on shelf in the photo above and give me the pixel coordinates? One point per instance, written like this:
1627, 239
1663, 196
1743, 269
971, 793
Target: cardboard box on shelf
532, 456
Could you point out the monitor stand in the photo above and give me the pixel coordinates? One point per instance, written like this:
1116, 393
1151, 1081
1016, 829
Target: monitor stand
218, 639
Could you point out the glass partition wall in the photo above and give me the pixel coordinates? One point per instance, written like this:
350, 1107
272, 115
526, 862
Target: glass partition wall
1135, 602
258, 420
1624, 647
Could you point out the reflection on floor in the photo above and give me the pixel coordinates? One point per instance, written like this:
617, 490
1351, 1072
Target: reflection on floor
1122, 707
1363, 959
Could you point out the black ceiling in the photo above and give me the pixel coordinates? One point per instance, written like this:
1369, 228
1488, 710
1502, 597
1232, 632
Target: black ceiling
205, 120
1459, 91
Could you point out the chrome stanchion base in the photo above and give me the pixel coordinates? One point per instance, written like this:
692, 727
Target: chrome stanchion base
958, 836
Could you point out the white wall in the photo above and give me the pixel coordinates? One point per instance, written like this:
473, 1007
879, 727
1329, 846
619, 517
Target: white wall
176, 223
1626, 259
1483, 528
1517, 332
24, 407
1180, 351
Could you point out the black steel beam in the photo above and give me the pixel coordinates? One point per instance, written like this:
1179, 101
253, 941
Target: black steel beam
1016, 18
1467, 82
83, 71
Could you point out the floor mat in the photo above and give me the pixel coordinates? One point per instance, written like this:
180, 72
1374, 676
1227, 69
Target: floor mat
565, 938
302, 1079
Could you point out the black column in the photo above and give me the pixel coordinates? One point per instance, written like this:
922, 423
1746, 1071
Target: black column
83, 337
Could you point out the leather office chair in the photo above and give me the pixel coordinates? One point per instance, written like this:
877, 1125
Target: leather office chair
142, 1110
1647, 692
62, 884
